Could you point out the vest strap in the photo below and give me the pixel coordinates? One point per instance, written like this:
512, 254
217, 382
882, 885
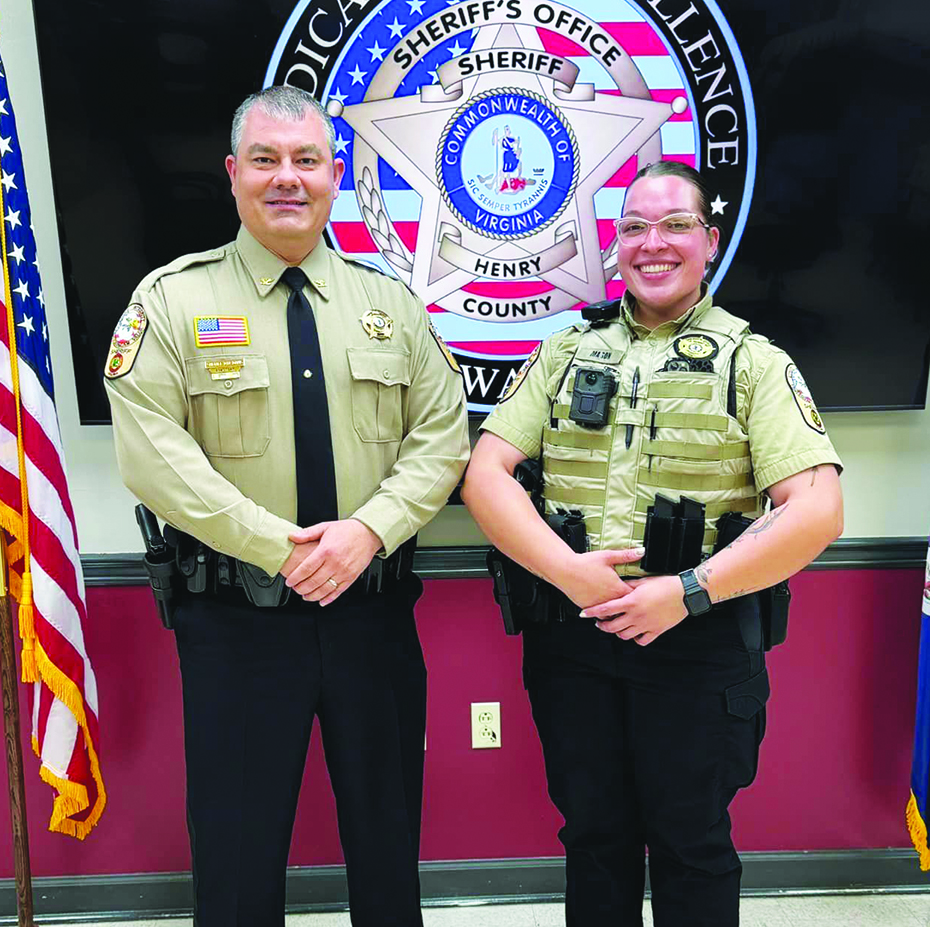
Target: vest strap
696, 420
574, 496
596, 442
693, 481
672, 390
595, 468
699, 451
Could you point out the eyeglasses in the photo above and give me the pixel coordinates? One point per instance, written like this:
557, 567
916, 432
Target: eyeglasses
675, 227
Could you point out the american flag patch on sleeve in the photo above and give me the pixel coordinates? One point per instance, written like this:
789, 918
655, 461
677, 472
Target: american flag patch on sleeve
220, 330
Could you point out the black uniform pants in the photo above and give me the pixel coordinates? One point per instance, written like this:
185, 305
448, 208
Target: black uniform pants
646, 747
253, 679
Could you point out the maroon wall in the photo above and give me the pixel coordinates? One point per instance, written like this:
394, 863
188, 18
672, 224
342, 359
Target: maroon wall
835, 762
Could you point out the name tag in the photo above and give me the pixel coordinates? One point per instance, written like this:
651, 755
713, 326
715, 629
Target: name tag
599, 355
225, 369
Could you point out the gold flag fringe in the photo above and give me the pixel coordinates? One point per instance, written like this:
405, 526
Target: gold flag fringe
72, 797
918, 830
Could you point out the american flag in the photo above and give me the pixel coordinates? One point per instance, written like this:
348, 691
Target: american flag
918, 804
35, 510
223, 329
349, 81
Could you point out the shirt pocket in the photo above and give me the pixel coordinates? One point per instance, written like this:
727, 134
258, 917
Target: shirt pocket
378, 380
229, 416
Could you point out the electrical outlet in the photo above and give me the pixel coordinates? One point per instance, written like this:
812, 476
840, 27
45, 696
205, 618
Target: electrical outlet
485, 725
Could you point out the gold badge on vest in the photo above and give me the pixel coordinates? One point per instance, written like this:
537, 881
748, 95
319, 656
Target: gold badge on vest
377, 324
126, 341
694, 354
802, 396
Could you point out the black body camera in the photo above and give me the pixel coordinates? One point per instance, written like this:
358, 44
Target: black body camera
591, 397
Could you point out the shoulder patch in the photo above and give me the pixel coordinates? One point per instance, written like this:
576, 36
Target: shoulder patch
802, 396
446, 353
521, 374
126, 341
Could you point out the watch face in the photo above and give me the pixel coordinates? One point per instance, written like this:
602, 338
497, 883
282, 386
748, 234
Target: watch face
697, 601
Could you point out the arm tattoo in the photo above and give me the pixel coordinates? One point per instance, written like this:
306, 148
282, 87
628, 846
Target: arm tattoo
739, 592
702, 575
766, 521
759, 525
814, 474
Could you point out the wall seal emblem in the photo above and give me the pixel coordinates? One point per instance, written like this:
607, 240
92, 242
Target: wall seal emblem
489, 143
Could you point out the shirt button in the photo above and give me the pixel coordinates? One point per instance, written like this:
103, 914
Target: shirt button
228, 384
387, 374
308, 374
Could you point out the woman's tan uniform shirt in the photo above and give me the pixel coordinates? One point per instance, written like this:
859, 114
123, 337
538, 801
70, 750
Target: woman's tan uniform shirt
205, 434
684, 441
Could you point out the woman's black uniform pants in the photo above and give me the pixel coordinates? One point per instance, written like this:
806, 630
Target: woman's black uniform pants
646, 747
253, 680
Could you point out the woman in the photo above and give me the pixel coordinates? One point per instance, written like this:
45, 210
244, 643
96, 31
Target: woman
649, 695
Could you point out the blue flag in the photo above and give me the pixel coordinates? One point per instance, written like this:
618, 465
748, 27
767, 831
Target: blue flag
920, 770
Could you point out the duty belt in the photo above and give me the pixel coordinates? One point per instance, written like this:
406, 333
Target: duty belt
204, 570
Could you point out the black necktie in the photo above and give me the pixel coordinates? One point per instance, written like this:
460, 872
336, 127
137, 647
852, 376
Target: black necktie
313, 442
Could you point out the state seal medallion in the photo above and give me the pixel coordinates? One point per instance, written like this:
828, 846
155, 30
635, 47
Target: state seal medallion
507, 164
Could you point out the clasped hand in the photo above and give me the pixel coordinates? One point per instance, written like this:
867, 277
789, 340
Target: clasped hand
328, 557
652, 605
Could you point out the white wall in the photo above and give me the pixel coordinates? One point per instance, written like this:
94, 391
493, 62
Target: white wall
887, 454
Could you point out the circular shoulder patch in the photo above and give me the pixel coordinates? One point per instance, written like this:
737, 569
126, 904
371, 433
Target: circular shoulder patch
126, 341
802, 396
520, 375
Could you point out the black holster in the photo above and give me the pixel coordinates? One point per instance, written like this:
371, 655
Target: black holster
159, 563
162, 579
774, 601
524, 598
519, 594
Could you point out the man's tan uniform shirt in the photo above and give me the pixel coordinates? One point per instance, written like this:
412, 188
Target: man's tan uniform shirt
199, 382
692, 374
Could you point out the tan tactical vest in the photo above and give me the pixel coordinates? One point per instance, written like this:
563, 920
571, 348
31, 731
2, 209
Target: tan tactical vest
683, 440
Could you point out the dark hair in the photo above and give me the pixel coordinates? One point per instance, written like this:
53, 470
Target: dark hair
677, 169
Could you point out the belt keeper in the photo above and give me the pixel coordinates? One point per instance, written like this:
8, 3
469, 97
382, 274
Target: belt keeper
222, 570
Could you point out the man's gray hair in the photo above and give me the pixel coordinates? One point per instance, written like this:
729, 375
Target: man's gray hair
285, 103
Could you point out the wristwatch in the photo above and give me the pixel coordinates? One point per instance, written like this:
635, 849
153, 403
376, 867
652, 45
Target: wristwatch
697, 601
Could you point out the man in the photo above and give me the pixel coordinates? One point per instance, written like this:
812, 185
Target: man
296, 416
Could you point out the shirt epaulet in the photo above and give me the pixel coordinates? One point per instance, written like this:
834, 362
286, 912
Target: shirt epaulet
184, 262
373, 269
724, 323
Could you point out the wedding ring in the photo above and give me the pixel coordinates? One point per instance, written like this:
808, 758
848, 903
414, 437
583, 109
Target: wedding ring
333, 583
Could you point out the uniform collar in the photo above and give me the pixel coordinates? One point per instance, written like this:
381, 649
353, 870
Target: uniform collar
691, 317
265, 267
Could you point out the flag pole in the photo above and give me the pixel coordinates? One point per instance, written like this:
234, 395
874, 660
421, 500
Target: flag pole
14, 748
